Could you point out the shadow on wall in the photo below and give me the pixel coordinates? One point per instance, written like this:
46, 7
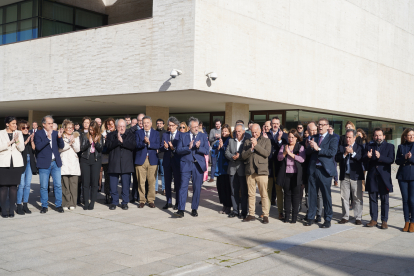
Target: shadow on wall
119, 11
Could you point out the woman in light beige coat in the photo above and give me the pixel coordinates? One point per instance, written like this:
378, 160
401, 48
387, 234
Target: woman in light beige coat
11, 165
70, 169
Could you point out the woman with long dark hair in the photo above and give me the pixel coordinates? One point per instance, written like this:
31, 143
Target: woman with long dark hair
223, 179
91, 161
29, 162
290, 173
109, 127
11, 165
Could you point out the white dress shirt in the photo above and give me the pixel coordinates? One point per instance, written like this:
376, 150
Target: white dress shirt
50, 143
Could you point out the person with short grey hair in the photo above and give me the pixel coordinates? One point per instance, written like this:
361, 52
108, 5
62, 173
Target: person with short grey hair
351, 176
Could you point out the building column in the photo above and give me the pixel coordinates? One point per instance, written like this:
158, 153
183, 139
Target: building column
236, 111
158, 112
37, 116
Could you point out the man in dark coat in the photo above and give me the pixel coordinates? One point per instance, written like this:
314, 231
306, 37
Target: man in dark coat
120, 145
380, 156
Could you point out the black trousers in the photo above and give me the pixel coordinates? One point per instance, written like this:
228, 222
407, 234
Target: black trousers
90, 179
224, 190
239, 194
11, 192
291, 196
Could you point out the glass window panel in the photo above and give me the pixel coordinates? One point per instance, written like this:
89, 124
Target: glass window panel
35, 30
1, 16
53, 28
1, 34
11, 14
292, 119
259, 119
11, 33
63, 13
47, 10
88, 19
35, 7
62, 28
26, 10
26, 30
47, 27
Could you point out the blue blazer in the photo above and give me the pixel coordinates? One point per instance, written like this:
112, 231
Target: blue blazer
175, 159
406, 169
188, 156
143, 149
355, 163
381, 165
44, 151
329, 148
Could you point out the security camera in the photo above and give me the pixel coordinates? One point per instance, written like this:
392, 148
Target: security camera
174, 73
212, 75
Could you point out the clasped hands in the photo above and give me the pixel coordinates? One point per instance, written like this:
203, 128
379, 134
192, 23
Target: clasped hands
197, 144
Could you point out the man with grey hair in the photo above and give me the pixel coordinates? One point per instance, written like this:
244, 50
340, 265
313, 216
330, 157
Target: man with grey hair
171, 161
135, 181
192, 147
236, 172
120, 145
146, 161
351, 175
48, 143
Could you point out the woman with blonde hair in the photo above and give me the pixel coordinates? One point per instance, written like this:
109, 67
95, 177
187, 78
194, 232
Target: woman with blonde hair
183, 127
70, 169
91, 145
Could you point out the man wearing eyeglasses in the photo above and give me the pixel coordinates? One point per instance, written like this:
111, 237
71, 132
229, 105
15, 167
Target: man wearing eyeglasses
299, 128
323, 147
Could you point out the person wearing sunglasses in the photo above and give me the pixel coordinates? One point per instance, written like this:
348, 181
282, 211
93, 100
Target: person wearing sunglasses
183, 127
299, 128
29, 162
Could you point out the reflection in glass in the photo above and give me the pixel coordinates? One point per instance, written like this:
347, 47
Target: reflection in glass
88, 19
26, 10
11, 33
11, 13
25, 31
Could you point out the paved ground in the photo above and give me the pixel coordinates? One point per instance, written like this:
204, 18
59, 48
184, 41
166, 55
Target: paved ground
152, 242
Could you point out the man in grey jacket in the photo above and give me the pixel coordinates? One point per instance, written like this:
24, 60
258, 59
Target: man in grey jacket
215, 134
236, 172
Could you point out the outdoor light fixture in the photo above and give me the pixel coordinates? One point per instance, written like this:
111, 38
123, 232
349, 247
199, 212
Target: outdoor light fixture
174, 73
212, 75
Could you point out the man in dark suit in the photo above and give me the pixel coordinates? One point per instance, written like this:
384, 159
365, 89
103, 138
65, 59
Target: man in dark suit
331, 132
351, 175
171, 161
277, 138
146, 161
321, 170
192, 147
161, 130
120, 145
135, 181
380, 156
236, 173
34, 128
256, 152
47, 143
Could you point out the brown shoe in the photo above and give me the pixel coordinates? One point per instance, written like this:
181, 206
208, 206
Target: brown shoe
406, 226
358, 222
336, 183
141, 205
265, 220
281, 217
372, 223
411, 229
261, 216
249, 218
156, 192
151, 205
343, 221
384, 225
211, 180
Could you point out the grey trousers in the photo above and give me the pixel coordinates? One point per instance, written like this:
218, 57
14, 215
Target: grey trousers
355, 187
69, 190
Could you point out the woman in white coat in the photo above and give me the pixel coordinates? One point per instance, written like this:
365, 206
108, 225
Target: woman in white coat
70, 169
11, 165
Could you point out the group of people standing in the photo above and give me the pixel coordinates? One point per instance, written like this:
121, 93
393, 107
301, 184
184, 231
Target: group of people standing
281, 164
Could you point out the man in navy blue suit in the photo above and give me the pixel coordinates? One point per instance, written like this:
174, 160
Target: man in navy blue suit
146, 161
171, 161
331, 131
47, 143
192, 147
323, 149
380, 156
278, 138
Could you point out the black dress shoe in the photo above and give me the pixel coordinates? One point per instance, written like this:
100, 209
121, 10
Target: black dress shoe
11, 215
124, 206
5, 216
167, 205
175, 207
318, 219
232, 215
44, 210
85, 207
112, 207
60, 209
326, 224
132, 200
309, 223
179, 214
194, 213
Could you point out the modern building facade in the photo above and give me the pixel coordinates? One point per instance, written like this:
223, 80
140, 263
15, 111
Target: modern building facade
300, 60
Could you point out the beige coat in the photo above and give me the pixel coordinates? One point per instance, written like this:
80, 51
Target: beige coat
14, 151
70, 160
